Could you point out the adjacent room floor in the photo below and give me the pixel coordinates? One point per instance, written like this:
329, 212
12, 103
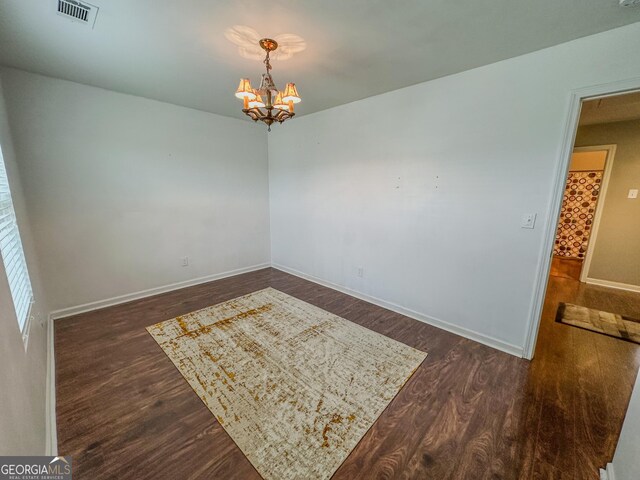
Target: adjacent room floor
469, 412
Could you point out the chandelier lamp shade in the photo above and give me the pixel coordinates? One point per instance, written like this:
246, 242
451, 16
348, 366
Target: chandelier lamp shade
266, 103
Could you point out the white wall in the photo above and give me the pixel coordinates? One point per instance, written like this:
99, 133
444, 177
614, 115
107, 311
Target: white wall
626, 460
22, 373
120, 188
425, 187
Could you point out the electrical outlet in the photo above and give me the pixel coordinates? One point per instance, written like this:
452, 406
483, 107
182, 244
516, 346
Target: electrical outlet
360, 272
185, 261
633, 193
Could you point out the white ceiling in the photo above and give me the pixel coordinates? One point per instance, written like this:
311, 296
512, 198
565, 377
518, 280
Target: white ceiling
175, 50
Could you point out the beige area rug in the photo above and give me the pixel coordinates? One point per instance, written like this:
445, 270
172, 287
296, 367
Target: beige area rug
294, 386
607, 323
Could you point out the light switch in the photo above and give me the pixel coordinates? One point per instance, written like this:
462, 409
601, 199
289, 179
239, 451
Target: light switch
633, 193
528, 220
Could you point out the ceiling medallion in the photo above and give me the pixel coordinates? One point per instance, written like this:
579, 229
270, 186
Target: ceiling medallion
248, 42
277, 106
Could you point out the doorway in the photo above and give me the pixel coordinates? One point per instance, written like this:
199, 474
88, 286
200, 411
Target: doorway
617, 95
587, 354
582, 206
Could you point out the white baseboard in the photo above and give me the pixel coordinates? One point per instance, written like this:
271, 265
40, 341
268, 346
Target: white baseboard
610, 284
463, 332
50, 406
109, 302
607, 474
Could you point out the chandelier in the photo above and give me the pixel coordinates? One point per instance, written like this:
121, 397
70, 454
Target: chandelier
277, 106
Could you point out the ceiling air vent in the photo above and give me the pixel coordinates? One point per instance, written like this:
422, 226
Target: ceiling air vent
79, 11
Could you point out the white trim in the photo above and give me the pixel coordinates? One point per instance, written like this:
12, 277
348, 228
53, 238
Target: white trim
619, 285
50, 406
108, 302
608, 474
553, 213
436, 322
608, 166
27, 327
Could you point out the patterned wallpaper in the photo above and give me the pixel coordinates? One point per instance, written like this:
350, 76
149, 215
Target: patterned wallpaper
576, 216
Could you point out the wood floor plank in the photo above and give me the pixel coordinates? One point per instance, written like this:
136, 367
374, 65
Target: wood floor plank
469, 411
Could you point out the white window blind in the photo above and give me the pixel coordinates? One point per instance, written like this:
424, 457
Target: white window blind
12, 254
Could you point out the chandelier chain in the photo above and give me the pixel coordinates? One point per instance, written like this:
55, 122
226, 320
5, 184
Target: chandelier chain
267, 62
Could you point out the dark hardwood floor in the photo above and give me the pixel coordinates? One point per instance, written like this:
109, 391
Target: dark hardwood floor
566, 267
469, 412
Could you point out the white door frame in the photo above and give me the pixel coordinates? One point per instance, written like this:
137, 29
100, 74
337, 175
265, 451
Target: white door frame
608, 166
553, 213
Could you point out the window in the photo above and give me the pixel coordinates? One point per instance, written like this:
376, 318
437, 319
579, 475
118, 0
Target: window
15, 264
